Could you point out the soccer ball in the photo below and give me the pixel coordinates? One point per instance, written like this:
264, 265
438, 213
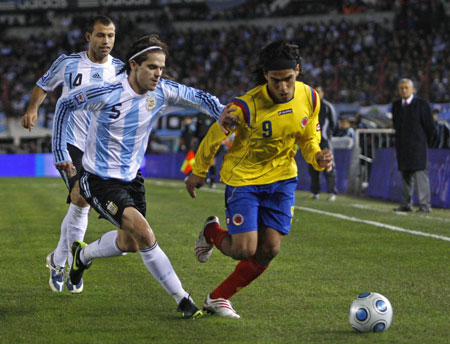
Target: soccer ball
370, 312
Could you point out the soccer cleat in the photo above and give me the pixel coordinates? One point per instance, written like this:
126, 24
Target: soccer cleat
77, 268
56, 280
403, 208
313, 196
202, 248
188, 309
332, 197
221, 307
75, 289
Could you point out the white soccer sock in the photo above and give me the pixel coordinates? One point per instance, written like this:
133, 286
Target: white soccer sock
104, 247
160, 267
77, 222
61, 251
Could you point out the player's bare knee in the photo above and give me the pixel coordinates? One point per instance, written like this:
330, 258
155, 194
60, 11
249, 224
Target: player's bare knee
77, 199
270, 251
241, 253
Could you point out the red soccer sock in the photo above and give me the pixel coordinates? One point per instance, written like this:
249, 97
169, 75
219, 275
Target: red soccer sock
215, 234
246, 271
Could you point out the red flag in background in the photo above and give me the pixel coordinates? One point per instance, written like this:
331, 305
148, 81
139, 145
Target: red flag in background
188, 162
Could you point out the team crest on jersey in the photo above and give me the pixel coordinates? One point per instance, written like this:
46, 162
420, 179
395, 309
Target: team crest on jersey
238, 219
151, 102
318, 127
79, 98
45, 76
304, 122
284, 112
112, 208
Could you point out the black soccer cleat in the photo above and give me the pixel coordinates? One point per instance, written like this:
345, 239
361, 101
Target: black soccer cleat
188, 309
77, 268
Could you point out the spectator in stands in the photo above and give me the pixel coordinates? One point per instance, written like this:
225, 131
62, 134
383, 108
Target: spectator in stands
328, 126
345, 128
441, 138
414, 128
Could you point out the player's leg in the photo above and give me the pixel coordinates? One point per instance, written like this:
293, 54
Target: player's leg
123, 204
241, 211
73, 226
273, 211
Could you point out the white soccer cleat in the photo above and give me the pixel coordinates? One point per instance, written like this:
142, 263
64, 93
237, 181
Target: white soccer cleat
221, 307
56, 280
202, 248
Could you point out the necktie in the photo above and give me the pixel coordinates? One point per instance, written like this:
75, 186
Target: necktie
405, 103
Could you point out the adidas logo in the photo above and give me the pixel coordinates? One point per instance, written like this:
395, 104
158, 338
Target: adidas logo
96, 76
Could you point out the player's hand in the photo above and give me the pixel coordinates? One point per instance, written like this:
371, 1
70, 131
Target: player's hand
227, 120
325, 159
28, 120
193, 182
67, 167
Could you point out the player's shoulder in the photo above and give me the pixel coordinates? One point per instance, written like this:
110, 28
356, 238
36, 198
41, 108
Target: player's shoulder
304, 93
65, 59
117, 62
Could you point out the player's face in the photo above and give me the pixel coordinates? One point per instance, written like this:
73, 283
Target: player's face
145, 77
281, 84
405, 90
101, 42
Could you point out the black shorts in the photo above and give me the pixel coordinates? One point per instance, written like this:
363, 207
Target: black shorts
110, 197
77, 156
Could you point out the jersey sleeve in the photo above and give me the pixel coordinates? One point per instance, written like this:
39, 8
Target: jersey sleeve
188, 97
309, 142
90, 98
54, 76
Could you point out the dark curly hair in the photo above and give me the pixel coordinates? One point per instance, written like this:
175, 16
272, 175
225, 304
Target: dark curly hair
141, 44
274, 50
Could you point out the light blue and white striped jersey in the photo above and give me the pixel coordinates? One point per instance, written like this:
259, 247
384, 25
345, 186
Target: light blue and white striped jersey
74, 72
122, 121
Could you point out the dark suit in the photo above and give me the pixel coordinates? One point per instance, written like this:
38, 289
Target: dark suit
414, 129
328, 125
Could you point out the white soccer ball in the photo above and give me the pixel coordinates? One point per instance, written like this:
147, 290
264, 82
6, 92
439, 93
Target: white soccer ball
370, 312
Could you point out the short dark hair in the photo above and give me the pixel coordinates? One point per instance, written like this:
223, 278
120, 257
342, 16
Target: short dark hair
274, 50
141, 44
97, 19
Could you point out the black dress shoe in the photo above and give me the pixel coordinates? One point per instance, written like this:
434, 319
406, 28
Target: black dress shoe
403, 208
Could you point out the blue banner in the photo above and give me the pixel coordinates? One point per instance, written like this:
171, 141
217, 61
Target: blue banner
386, 182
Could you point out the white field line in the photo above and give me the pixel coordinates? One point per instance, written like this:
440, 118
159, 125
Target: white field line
374, 223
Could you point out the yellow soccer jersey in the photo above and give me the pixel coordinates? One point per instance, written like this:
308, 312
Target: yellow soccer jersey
265, 140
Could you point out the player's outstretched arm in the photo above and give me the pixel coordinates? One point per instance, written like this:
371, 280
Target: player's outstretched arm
193, 182
37, 97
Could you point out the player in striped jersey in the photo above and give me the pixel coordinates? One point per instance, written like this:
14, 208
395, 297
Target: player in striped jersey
123, 114
92, 67
259, 170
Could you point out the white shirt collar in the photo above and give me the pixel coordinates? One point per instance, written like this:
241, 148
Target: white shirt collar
409, 100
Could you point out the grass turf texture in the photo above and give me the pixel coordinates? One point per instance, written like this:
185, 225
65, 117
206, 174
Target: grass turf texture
303, 297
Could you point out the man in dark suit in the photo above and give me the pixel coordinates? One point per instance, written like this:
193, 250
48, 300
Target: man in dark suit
414, 129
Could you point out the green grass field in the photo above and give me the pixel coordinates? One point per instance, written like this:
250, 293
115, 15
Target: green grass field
335, 251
